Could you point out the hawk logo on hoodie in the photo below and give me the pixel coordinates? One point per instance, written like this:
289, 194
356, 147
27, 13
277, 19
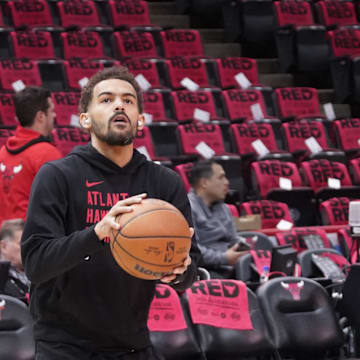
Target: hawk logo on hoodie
7, 173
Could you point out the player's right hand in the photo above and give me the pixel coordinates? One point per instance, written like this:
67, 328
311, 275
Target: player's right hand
108, 223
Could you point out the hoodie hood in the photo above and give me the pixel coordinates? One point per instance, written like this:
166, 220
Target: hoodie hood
23, 139
90, 155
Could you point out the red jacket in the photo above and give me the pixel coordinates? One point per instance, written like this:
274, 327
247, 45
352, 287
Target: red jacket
20, 159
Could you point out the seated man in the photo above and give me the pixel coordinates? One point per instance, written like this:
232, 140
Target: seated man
14, 281
213, 222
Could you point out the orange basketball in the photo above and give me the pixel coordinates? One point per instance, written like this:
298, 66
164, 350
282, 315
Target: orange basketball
153, 239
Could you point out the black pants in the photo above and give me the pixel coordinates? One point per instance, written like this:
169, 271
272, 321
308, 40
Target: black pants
61, 351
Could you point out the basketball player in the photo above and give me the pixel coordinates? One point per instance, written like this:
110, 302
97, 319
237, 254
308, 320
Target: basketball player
84, 305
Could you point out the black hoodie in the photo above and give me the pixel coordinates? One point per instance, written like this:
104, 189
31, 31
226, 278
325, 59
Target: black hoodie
79, 294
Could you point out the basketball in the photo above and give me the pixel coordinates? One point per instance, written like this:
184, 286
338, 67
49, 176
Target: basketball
153, 239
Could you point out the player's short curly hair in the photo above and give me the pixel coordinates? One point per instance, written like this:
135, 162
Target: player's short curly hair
115, 72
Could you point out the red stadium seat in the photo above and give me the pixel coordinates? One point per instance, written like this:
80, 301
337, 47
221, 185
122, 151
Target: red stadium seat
238, 103
302, 239
193, 134
12, 70
30, 13
180, 42
347, 133
335, 211
129, 13
296, 13
317, 172
78, 13
343, 41
246, 133
32, 45
229, 67
271, 212
7, 110
185, 103
134, 44
335, 12
78, 69
267, 175
66, 104
82, 44
146, 67
187, 67
183, 170
298, 102
66, 138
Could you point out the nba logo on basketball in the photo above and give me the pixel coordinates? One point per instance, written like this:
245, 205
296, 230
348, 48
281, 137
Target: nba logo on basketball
170, 250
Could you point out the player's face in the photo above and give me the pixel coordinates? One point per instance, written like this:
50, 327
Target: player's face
217, 185
113, 112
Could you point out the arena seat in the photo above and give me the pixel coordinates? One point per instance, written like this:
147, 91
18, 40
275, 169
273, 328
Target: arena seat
295, 13
67, 137
127, 13
354, 168
303, 49
12, 70
310, 269
346, 133
171, 331
158, 104
295, 309
32, 44
232, 336
183, 67
77, 13
181, 42
229, 67
77, 69
297, 132
256, 240
302, 239
336, 13
186, 102
153, 70
297, 102
134, 44
7, 109
66, 105
82, 44
265, 177
16, 330
271, 212
335, 211
238, 103
317, 172
28, 13
183, 170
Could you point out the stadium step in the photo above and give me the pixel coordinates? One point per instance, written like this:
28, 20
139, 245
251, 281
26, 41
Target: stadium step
221, 50
276, 80
173, 21
162, 8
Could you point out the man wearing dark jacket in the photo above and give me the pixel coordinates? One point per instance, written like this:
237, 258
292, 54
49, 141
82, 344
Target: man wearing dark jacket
85, 306
26, 151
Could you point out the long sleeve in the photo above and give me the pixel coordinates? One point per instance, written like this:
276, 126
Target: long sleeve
46, 249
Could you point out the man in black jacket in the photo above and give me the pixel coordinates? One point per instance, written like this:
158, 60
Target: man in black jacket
85, 306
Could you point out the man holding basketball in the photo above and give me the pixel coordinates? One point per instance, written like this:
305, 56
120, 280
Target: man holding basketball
85, 306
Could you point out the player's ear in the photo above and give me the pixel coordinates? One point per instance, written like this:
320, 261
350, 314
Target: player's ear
141, 122
85, 121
